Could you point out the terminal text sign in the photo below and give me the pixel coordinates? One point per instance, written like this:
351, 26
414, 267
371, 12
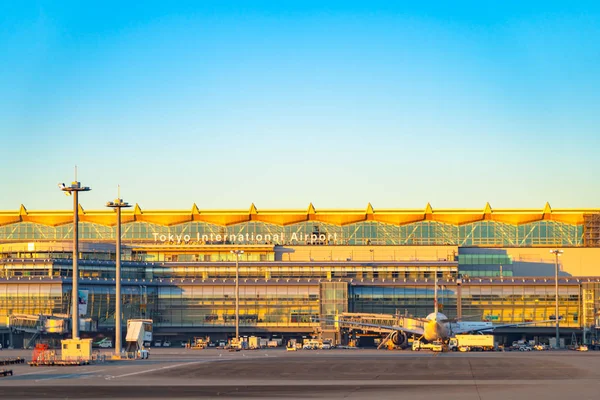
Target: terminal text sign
244, 238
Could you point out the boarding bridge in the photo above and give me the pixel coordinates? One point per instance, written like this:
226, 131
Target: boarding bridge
38, 324
25, 323
382, 323
379, 323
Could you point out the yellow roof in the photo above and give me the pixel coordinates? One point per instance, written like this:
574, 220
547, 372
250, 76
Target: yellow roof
287, 217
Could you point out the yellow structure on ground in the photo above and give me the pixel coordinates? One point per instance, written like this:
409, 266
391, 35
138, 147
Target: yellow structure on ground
76, 350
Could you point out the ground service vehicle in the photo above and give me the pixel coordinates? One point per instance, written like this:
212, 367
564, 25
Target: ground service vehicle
235, 345
312, 344
200, 343
139, 332
254, 342
291, 345
104, 343
434, 346
471, 343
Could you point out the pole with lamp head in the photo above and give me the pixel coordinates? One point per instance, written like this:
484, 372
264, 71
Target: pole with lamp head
74, 190
237, 293
557, 253
117, 204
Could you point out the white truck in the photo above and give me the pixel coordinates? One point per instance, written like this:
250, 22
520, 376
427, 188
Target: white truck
471, 343
139, 336
417, 345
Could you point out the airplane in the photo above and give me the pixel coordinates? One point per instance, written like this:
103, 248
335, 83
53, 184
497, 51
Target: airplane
435, 327
62, 187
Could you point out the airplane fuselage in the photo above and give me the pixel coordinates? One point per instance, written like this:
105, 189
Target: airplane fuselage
434, 330
438, 327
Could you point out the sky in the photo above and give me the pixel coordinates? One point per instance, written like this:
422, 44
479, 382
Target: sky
282, 104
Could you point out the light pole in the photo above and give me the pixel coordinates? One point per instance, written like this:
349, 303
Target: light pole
237, 293
74, 190
117, 205
557, 253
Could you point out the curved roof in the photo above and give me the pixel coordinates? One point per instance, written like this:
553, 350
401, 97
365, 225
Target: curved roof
287, 217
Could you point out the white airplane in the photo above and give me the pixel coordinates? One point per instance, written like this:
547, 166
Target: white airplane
436, 326
62, 187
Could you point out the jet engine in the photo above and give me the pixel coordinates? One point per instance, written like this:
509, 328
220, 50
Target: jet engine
399, 339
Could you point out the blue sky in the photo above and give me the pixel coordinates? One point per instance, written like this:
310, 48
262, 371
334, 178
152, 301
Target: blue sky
281, 104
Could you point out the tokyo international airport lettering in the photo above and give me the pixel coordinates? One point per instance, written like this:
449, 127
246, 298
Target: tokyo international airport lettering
248, 237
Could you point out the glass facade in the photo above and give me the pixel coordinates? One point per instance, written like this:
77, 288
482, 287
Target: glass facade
268, 306
32, 298
485, 265
590, 293
484, 259
264, 306
334, 300
283, 271
497, 303
282, 305
63, 268
222, 270
481, 233
523, 303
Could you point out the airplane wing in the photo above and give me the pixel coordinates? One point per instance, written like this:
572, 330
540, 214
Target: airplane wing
454, 320
493, 327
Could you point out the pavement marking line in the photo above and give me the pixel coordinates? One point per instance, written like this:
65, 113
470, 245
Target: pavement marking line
37, 372
69, 375
161, 368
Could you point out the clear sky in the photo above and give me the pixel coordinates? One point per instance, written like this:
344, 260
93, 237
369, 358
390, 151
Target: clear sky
224, 104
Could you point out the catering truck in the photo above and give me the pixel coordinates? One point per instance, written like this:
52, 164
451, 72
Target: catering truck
471, 343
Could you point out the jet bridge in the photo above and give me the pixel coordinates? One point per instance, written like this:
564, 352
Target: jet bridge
380, 323
38, 324
393, 325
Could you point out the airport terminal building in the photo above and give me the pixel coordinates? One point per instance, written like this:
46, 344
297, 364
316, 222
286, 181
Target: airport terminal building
300, 266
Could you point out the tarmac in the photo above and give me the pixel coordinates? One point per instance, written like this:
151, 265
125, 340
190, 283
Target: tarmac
176, 373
